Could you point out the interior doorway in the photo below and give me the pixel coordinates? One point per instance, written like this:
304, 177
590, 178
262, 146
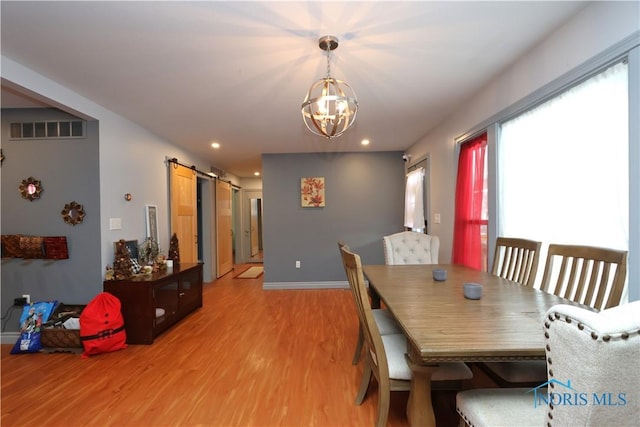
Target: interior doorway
255, 230
224, 228
426, 198
252, 226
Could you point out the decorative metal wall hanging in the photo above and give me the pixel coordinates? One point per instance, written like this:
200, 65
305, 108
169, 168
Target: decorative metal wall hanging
73, 213
30, 189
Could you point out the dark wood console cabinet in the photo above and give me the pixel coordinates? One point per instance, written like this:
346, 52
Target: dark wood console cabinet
177, 292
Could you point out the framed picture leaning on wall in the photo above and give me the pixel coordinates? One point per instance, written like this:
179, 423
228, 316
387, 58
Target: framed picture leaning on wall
152, 222
130, 245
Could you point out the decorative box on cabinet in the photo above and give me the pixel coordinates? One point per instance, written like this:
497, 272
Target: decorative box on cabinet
175, 292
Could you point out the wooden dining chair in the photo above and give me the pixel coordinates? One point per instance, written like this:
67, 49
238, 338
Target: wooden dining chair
589, 275
592, 360
410, 247
386, 322
385, 354
585, 274
516, 260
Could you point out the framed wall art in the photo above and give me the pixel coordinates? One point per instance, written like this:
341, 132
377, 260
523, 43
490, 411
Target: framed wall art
312, 192
152, 222
132, 248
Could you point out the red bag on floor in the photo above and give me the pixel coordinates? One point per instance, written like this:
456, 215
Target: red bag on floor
102, 326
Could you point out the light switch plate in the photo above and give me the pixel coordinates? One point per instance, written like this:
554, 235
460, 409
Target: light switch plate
115, 223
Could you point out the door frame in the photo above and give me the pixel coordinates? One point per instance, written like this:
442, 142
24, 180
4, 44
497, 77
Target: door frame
425, 162
245, 221
223, 266
206, 209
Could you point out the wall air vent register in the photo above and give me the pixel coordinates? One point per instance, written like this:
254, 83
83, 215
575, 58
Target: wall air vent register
48, 129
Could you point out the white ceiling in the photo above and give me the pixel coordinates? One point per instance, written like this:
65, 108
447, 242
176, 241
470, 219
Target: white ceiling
237, 72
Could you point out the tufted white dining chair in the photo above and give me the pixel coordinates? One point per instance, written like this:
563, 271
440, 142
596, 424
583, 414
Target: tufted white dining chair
410, 247
593, 375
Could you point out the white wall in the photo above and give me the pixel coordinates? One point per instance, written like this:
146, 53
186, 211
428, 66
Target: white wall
251, 183
599, 26
132, 160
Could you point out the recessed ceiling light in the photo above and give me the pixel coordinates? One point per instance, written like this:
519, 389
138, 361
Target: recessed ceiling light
365, 142
256, 173
215, 144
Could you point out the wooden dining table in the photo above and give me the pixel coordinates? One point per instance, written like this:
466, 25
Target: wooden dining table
441, 325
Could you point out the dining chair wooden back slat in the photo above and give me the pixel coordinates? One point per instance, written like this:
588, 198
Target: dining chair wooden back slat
386, 353
516, 259
353, 269
354, 292
589, 275
384, 320
376, 362
585, 275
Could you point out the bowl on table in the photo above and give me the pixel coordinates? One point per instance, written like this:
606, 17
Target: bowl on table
472, 290
439, 274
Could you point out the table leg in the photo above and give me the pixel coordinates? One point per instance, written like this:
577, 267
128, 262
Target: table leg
420, 407
375, 298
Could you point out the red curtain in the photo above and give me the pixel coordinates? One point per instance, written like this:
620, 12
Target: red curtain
468, 223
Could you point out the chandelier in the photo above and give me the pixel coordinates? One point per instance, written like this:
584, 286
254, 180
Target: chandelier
330, 107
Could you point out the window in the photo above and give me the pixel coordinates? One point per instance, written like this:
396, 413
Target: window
413, 201
48, 129
471, 215
563, 167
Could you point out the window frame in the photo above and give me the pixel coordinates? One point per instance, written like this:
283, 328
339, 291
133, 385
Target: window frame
627, 49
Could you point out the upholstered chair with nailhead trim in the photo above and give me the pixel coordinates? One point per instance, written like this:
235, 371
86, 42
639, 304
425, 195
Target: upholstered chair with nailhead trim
410, 247
593, 367
588, 275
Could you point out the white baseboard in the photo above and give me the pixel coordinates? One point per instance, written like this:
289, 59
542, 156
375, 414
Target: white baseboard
305, 285
9, 337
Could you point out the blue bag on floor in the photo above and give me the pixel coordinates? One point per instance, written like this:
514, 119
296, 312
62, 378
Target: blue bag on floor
31, 320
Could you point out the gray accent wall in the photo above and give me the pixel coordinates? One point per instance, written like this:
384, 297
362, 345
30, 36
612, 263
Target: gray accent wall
364, 201
69, 171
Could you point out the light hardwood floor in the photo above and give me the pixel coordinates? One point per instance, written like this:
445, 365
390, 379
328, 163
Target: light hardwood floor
248, 358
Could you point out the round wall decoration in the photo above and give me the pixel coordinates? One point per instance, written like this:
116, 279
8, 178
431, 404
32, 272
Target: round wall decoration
30, 189
73, 213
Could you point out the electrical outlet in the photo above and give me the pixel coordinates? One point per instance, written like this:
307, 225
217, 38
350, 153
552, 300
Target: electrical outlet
297, 264
27, 298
